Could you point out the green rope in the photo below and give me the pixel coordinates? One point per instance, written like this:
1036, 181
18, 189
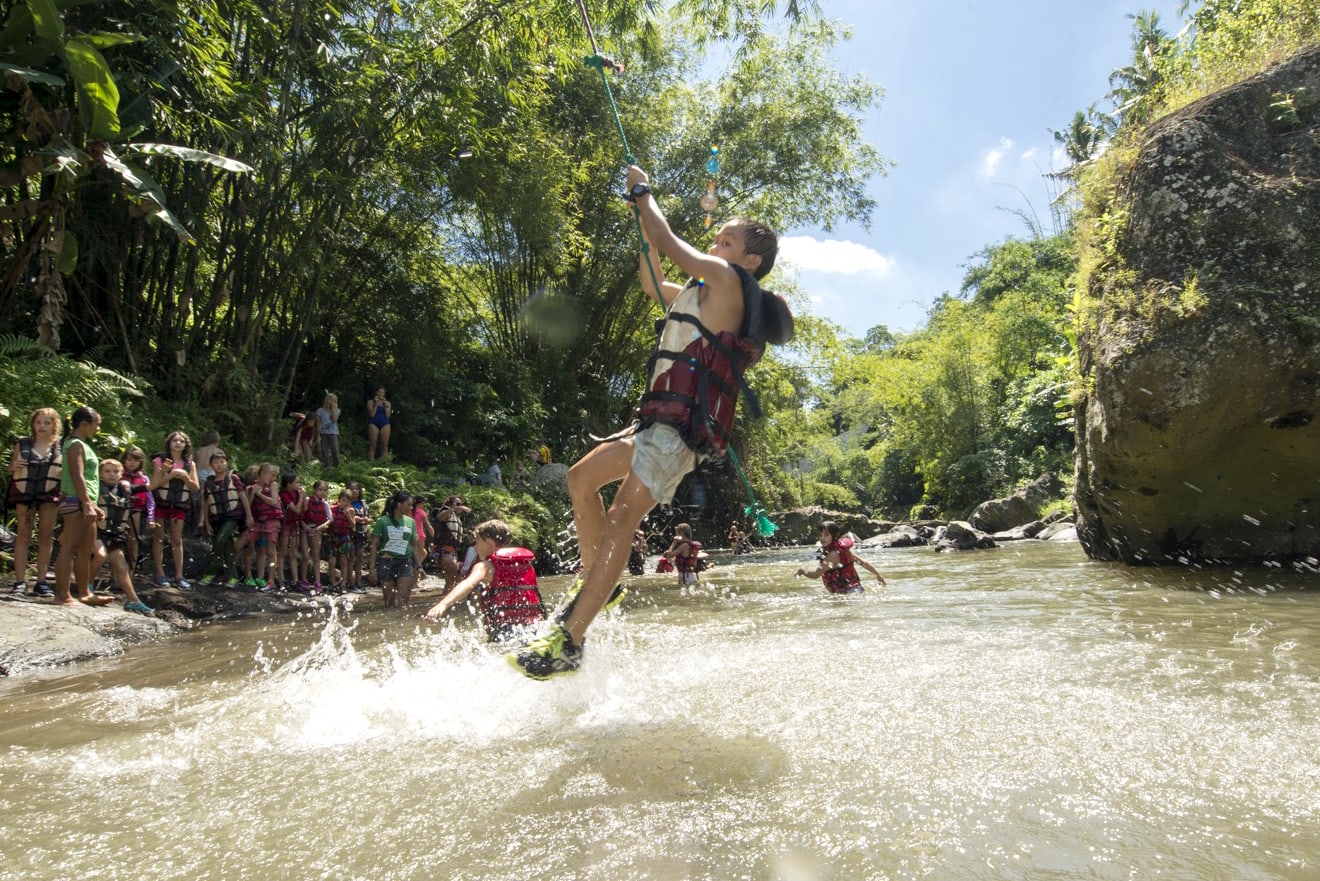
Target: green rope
763, 524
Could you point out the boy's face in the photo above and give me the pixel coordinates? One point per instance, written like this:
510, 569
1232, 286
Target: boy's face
111, 473
730, 245
485, 547
220, 465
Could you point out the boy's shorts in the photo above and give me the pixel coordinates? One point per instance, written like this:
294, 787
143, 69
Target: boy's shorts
661, 460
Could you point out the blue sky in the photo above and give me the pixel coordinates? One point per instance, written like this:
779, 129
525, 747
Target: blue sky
972, 90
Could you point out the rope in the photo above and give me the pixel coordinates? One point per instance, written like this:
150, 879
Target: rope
763, 524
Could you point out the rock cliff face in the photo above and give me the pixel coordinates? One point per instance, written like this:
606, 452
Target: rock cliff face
1199, 438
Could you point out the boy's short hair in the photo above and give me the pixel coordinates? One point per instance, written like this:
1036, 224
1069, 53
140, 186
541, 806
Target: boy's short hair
108, 463
761, 240
211, 437
496, 530
219, 454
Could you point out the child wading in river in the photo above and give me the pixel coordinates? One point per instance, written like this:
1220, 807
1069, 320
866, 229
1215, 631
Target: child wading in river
509, 597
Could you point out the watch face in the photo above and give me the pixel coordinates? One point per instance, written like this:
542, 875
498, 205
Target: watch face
640, 189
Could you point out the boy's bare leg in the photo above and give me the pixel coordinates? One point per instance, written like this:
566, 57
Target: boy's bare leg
119, 569
631, 504
608, 462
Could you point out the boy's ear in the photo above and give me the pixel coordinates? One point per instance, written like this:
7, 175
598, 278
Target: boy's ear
751, 262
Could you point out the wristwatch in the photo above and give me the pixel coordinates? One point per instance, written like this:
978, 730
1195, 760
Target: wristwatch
637, 191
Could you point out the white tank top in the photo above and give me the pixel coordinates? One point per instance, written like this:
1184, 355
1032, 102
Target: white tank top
675, 336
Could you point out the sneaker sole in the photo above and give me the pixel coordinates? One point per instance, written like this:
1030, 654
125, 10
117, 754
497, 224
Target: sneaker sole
512, 658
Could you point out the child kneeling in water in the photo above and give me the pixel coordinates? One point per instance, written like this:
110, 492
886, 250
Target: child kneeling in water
510, 599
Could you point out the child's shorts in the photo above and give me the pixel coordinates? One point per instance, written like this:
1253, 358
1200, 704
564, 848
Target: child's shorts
165, 514
393, 568
341, 545
70, 505
290, 531
661, 460
263, 530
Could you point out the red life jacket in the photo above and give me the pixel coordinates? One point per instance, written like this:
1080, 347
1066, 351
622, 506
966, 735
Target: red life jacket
697, 394
344, 520
222, 502
263, 511
42, 480
176, 493
287, 500
663, 565
513, 597
693, 561
137, 484
316, 512
843, 578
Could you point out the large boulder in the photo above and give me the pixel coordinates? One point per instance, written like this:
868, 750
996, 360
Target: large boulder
1019, 509
802, 525
1198, 438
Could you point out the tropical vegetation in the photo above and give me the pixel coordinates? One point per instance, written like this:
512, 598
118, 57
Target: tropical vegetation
213, 211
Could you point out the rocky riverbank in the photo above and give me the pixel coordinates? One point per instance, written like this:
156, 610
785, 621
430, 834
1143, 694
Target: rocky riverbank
36, 633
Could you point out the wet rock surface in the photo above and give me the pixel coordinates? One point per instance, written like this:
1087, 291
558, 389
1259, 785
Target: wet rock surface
1199, 437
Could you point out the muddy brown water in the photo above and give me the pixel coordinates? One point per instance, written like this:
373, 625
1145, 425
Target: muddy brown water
1017, 713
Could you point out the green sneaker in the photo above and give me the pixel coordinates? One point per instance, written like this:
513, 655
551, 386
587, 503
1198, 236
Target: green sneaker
616, 596
551, 655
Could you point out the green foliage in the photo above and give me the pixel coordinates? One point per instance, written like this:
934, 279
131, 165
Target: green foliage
30, 377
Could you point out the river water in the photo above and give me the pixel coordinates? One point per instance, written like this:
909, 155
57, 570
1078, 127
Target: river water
1016, 713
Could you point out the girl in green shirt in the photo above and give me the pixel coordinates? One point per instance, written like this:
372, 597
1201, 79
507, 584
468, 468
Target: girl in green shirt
78, 512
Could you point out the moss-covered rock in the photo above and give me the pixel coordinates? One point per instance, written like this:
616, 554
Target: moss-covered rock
1198, 436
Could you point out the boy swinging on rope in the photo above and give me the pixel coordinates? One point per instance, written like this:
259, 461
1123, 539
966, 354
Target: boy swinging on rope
715, 328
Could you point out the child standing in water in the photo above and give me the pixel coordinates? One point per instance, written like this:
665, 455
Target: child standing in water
836, 568
510, 599
715, 328
684, 552
392, 540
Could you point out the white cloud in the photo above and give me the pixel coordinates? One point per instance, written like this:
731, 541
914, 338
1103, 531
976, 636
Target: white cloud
990, 161
833, 256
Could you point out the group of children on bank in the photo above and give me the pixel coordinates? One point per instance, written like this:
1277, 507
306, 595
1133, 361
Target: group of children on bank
267, 531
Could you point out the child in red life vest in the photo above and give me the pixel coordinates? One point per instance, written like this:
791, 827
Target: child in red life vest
715, 328
267, 517
316, 521
685, 553
836, 568
293, 500
510, 600
343, 522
